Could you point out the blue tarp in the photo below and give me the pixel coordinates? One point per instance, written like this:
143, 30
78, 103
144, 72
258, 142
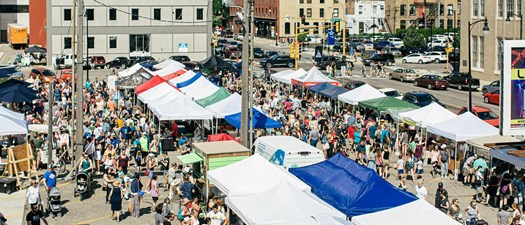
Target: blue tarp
189, 81
328, 90
259, 120
7, 72
351, 188
319, 87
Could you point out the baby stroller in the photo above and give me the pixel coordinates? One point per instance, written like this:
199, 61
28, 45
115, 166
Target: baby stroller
83, 185
53, 202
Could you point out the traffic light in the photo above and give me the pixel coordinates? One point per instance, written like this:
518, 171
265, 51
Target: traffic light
292, 50
337, 27
303, 19
297, 50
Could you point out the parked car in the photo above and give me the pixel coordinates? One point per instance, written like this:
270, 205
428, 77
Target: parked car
431, 81
391, 92
65, 74
489, 88
234, 43
380, 45
269, 54
338, 47
397, 42
483, 113
232, 52
387, 59
407, 51
222, 41
327, 60
277, 60
437, 43
43, 74
403, 74
219, 49
369, 45
148, 64
416, 58
438, 37
238, 37
180, 58
258, 52
420, 98
353, 84
437, 57
97, 62
492, 97
138, 59
461, 81
118, 62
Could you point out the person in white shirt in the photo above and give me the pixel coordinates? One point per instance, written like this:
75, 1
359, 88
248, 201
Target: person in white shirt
421, 191
216, 217
32, 194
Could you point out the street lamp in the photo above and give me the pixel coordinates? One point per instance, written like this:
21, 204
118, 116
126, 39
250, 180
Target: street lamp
485, 31
275, 24
521, 22
374, 26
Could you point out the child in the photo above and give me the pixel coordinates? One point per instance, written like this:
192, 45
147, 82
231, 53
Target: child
400, 168
419, 167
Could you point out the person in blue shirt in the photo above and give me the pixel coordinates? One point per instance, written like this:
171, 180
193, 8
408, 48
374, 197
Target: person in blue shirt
50, 178
124, 131
182, 140
88, 84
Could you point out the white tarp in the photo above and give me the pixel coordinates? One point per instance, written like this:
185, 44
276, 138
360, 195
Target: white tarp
161, 100
166, 63
182, 108
184, 77
41, 128
228, 106
170, 68
10, 125
463, 127
418, 212
6, 112
362, 93
137, 68
430, 114
282, 204
286, 76
155, 92
200, 88
251, 174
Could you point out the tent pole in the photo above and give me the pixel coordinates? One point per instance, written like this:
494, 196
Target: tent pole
455, 158
425, 150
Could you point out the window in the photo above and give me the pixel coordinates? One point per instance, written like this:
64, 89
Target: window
441, 9
321, 1
481, 52
374, 9
139, 43
518, 7
402, 10
459, 8
309, 12
301, 12
200, 14
91, 42
301, 1
510, 7
474, 52
482, 7
381, 7
442, 23
316, 31
178, 14
450, 23
14, 9
450, 10
67, 14
112, 42
134, 14
67, 43
156, 14
321, 13
360, 10
309, 1
336, 12
403, 24
112, 14
336, 1
287, 28
90, 14
412, 10
475, 7
499, 53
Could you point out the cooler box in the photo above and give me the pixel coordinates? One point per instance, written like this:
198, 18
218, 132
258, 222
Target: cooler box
7, 185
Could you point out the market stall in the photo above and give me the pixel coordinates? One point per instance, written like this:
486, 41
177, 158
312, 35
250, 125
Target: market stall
362, 93
479, 145
198, 87
313, 77
286, 76
430, 114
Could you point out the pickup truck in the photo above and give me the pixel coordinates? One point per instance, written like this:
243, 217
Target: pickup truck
460, 81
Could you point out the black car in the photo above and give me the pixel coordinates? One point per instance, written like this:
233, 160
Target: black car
222, 41
338, 47
387, 59
258, 52
278, 60
407, 51
269, 54
353, 84
324, 61
180, 58
420, 98
134, 60
119, 62
461, 81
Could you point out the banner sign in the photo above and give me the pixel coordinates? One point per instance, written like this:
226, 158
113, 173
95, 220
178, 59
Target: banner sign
512, 93
331, 37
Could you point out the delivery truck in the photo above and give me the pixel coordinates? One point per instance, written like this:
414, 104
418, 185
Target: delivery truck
287, 151
17, 35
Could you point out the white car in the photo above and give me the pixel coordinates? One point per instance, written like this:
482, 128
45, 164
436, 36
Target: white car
238, 37
369, 45
397, 42
434, 43
416, 58
391, 92
450, 36
438, 37
437, 57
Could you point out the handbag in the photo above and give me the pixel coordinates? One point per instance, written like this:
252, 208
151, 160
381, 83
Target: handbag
146, 173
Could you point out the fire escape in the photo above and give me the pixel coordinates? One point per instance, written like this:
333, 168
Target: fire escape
428, 9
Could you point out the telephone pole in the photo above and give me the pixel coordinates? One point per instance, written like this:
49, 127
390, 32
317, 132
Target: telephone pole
73, 78
245, 77
79, 142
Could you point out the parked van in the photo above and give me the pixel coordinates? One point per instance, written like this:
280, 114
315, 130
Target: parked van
287, 151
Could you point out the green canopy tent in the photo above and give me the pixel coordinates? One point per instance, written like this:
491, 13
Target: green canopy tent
385, 103
218, 96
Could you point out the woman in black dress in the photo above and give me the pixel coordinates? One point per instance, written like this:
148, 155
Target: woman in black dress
115, 197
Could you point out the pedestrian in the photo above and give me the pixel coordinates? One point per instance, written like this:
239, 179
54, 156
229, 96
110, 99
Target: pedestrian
123, 162
154, 190
136, 193
400, 166
504, 216
444, 204
50, 178
33, 194
115, 197
454, 210
35, 215
108, 179
165, 166
186, 189
434, 155
161, 219
421, 191
216, 217
444, 158
472, 214
437, 199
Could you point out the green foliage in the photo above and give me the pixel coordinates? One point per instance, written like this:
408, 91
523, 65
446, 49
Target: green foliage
302, 38
220, 13
414, 39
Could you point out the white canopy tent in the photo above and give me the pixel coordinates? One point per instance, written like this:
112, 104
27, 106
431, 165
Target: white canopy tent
182, 108
418, 212
282, 204
11, 126
41, 128
7, 112
137, 68
161, 100
166, 63
251, 174
362, 93
313, 77
184, 77
200, 88
430, 114
228, 106
286, 76
463, 127
170, 68
155, 92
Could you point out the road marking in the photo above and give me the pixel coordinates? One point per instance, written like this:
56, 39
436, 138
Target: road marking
92, 220
13, 215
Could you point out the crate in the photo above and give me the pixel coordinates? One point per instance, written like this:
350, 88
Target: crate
7, 185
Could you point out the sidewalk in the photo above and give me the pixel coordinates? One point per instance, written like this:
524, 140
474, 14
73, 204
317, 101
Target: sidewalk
13, 207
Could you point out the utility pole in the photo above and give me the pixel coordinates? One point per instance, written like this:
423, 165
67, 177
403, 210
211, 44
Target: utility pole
50, 135
245, 75
252, 32
79, 142
73, 77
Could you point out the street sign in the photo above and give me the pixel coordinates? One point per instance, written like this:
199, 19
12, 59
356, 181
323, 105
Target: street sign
331, 37
318, 51
183, 47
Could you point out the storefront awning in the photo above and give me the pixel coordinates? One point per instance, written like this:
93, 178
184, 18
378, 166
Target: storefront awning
190, 158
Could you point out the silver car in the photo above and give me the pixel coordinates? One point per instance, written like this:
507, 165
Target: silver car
489, 88
403, 74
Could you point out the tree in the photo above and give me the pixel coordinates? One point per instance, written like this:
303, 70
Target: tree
220, 13
414, 39
302, 38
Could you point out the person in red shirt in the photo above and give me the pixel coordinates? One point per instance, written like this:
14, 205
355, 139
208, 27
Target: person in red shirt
351, 130
174, 130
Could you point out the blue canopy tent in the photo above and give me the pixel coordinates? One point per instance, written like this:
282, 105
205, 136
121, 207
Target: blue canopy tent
328, 90
319, 87
259, 121
16, 91
351, 188
7, 72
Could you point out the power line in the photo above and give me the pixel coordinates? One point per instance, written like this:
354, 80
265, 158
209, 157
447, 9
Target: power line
149, 18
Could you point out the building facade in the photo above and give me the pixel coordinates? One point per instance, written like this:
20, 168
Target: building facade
13, 11
114, 28
37, 19
403, 14
365, 15
486, 49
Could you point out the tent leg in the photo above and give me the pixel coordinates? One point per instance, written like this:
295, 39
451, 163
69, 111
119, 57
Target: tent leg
425, 149
455, 158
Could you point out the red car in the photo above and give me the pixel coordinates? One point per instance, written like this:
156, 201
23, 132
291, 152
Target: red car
431, 82
492, 98
484, 114
43, 74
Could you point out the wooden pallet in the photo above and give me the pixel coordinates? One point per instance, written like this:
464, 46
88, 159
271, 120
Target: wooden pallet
24, 163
